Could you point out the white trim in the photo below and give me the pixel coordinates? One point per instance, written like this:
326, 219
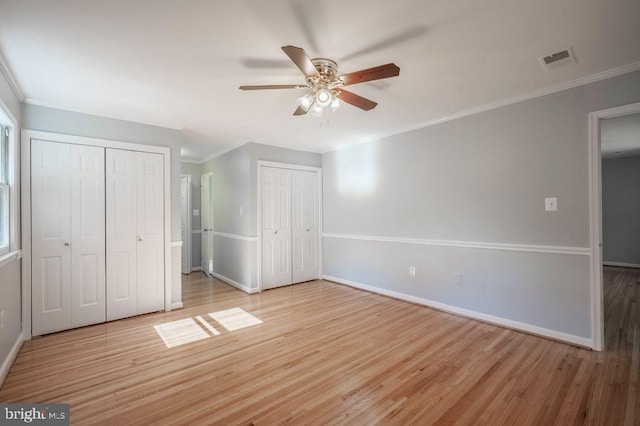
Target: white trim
27, 136
578, 251
13, 84
134, 120
595, 215
492, 319
318, 170
176, 305
289, 166
188, 243
196, 268
235, 236
196, 231
593, 78
9, 120
176, 244
7, 258
622, 264
10, 359
236, 284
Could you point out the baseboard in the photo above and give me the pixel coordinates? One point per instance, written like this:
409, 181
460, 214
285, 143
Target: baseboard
236, 284
503, 322
176, 305
622, 265
196, 268
11, 357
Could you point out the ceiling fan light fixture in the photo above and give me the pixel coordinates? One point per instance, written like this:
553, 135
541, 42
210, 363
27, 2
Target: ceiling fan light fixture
323, 97
335, 103
305, 101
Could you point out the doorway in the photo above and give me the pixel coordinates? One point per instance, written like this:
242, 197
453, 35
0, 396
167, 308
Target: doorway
604, 146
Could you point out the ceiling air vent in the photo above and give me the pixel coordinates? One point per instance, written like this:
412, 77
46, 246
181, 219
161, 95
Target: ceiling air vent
558, 59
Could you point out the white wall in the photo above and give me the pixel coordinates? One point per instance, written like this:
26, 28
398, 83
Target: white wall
621, 210
478, 183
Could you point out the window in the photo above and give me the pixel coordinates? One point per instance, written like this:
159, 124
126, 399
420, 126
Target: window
4, 189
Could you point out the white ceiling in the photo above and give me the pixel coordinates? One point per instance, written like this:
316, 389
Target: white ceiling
179, 63
620, 136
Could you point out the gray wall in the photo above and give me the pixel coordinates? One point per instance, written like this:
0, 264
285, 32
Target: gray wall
621, 210
195, 171
73, 123
235, 182
10, 274
481, 179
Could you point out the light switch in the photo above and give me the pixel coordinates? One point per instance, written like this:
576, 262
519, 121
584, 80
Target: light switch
551, 204
196, 212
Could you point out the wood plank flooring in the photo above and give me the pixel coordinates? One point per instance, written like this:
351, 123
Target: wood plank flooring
329, 354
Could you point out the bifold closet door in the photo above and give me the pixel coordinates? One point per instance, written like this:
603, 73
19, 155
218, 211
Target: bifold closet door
135, 233
68, 239
276, 227
306, 225
206, 210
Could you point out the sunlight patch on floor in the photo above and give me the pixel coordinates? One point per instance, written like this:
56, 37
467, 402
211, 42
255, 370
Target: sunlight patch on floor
188, 330
235, 318
176, 333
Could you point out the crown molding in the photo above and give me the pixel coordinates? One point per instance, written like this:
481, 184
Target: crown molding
13, 84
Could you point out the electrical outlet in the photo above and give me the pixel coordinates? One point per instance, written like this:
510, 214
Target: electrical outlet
1, 319
412, 271
457, 278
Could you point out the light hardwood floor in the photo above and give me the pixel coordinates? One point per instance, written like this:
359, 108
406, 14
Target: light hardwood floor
328, 354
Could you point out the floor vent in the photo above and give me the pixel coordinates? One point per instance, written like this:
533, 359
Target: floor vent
558, 59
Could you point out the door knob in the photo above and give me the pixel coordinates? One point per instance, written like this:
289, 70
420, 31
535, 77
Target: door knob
307, 229
275, 232
139, 238
66, 244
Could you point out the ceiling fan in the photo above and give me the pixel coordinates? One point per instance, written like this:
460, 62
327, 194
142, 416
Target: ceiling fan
325, 86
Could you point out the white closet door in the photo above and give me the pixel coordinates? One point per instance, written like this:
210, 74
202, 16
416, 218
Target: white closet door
121, 221
306, 257
87, 235
276, 227
150, 232
51, 237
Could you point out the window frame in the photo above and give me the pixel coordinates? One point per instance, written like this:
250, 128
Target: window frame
9, 183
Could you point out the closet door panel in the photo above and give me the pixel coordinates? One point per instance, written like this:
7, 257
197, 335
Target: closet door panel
306, 226
87, 235
276, 227
50, 228
150, 232
121, 231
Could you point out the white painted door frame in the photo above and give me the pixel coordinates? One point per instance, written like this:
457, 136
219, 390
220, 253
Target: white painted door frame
25, 191
595, 216
207, 222
259, 210
186, 221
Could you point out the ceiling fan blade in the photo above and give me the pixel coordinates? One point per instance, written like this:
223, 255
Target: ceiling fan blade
300, 111
273, 86
375, 73
301, 59
355, 100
